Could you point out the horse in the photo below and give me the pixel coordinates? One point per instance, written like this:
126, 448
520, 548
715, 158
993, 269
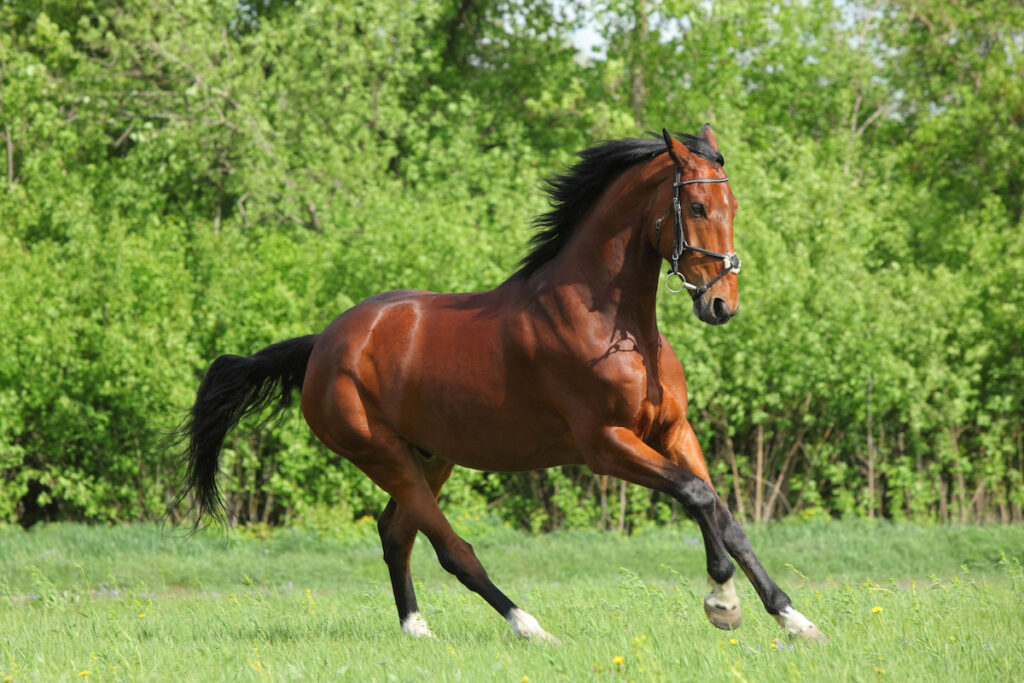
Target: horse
561, 364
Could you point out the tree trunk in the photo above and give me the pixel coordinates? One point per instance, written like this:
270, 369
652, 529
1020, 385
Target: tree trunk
605, 519
10, 155
798, 443
759, 473
622, 506
638, 87
871, 452
730, 454
943, 504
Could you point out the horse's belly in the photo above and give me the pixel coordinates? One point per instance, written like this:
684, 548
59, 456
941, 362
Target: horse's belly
507, 439
478, 412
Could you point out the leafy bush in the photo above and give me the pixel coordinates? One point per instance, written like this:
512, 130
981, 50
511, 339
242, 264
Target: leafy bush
181, 184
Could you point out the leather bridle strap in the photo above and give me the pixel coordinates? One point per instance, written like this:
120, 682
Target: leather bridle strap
730, 262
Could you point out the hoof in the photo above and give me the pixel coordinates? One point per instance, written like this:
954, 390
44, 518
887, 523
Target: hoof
727, 619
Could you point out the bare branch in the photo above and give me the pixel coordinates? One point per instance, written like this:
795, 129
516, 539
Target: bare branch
883, 109
124, 136
10, 155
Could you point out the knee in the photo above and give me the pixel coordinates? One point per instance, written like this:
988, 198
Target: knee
449, 563
697, 496
459, 561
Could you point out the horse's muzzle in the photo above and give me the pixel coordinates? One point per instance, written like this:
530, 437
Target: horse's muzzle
713, 310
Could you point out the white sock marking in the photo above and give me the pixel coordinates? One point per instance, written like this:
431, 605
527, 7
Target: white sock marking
415, 625
793, 621
526, 626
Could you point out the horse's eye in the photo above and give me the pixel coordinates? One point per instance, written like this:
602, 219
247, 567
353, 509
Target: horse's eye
697, 209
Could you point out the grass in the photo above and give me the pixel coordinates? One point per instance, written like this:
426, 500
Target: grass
142, 603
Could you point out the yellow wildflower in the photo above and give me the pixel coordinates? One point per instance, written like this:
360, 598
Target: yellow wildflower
733, 641
618, 660
525, 679
879, 670
142, 615
876, 609
84, 673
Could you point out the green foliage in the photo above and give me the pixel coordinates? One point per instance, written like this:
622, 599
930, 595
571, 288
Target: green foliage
181, 180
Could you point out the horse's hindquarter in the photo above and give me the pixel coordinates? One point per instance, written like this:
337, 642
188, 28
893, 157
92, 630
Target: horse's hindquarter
439, 371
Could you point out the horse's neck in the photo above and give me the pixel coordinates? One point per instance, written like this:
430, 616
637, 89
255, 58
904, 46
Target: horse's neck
608, 274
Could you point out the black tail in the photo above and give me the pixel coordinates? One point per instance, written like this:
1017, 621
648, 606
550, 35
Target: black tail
235, 386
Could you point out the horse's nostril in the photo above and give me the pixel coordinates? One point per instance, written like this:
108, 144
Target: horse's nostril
719, 308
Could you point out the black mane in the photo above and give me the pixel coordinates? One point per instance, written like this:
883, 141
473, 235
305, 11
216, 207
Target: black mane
572, 193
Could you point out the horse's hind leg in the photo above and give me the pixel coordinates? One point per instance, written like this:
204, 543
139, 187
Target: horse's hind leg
397, 534
396, 471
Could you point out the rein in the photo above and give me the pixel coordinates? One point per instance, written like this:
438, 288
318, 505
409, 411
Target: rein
730, 262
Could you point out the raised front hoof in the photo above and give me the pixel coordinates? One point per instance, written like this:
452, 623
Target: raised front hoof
722, 617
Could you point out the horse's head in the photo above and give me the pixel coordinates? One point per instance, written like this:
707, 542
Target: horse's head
695, 233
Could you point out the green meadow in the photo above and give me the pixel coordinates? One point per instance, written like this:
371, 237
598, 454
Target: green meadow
899, 602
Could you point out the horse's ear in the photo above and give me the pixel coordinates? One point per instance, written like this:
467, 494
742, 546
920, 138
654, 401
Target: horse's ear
708, 136
670, 143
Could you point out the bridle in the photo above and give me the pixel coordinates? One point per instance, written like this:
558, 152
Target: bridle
730, 262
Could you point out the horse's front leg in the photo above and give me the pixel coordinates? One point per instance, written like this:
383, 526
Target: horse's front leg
722, 604
687, 453
622, 454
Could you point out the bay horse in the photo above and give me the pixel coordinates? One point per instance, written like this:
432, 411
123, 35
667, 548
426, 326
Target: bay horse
561, 364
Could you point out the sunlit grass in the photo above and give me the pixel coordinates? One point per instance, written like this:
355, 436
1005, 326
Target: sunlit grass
139, 603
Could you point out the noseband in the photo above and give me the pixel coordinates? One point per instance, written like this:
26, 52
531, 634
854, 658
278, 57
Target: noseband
730, 262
